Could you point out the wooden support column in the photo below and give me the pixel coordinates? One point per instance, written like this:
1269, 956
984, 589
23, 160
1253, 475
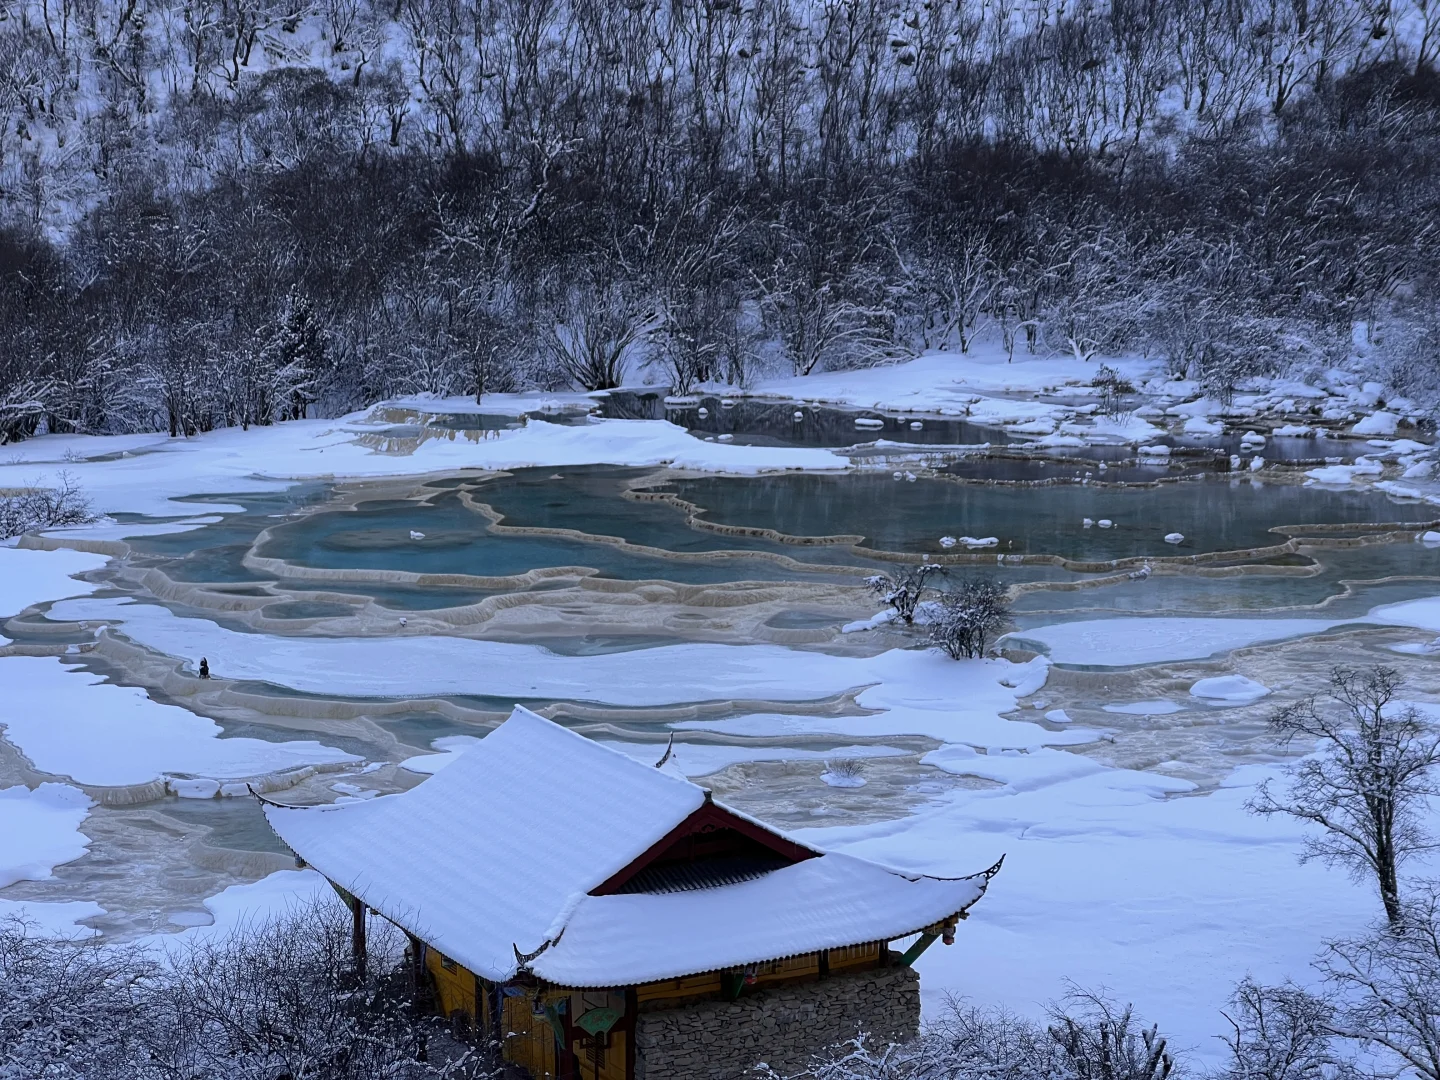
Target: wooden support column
357, 934
921, 944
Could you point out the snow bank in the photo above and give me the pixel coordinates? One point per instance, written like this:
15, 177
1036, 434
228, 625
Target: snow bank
920, 692
1126, 641
946, 382
39, 830
254, 904
267, 459
1169, 901
1140, 639
31, 577
70, 723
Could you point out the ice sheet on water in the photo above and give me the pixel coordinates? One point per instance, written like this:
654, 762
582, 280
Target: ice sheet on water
1229, 690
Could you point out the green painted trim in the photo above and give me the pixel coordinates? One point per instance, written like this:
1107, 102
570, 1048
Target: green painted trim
556, 1024
598, 1021
913, 953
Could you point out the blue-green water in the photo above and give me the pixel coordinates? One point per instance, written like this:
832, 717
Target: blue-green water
896, 515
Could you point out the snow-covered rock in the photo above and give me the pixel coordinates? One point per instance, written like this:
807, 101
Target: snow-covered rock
1153, 452
843, 779
1087, 523
1198, 425
415, 535
981, 541
1294, 431
947, 541
1043, 426
1174, 538
1345, 474
1378, 423
1229, 690
1430, 538
1106, 523
1199, 407
872, 623
1257, 463
869, 423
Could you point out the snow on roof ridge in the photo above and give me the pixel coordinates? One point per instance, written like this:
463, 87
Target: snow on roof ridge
526, 716
500, 898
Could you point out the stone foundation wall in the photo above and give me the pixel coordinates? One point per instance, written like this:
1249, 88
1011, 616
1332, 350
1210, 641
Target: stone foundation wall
784, 1026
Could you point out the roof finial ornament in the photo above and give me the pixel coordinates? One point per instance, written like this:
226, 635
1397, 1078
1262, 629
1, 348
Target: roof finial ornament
669, 752
523, 959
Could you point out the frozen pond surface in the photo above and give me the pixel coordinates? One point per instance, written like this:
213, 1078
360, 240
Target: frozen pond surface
383, 621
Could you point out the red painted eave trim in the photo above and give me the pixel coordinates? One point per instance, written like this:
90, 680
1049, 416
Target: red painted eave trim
709, 814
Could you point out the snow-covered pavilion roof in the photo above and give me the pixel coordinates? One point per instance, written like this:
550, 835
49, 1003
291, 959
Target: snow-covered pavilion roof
499, 854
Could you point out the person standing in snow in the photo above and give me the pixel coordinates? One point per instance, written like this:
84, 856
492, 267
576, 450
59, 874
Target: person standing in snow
204, 668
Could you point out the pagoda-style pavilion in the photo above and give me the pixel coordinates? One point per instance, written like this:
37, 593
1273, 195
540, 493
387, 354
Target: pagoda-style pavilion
606, 920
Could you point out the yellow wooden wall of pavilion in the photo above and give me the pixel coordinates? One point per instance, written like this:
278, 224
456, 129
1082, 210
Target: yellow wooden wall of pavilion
529, 1040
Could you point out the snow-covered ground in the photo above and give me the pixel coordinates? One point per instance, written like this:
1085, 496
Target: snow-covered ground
1127, 640
268, 459
40, 830
72, 724
32, 577
1166, 902
1134, 880
952, 383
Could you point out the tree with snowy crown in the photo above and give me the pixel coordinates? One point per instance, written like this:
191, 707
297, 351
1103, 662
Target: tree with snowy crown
298, 355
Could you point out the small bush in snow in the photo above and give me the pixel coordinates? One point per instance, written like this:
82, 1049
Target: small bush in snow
71, 1009
963, 620
1088, 1037
280, 999
844, 772
1113, 388
36, 507
904, 589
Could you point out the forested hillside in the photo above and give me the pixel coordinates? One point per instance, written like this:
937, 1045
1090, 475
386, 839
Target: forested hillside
223, 212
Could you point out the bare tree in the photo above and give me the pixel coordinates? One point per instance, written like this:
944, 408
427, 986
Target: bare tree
38, 506
595, 325
1389, 981
1368, 782
904, 589
1281, 1033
